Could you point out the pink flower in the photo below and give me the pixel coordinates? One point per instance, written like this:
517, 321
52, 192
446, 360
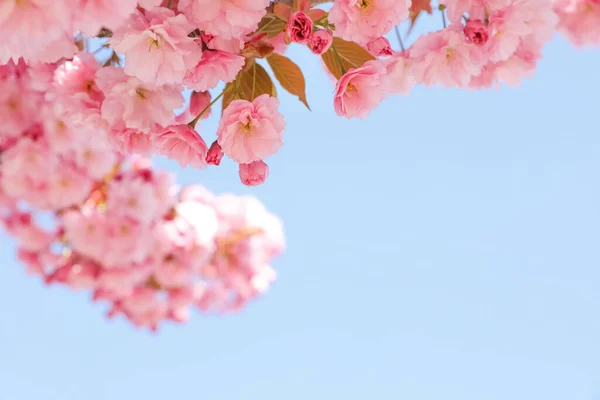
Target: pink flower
445, 58
68, 186
320, 41
215, 154
182, 144
520, 65
75, 80
299, 27
149, 4
251, 131
233, 46
30, 236
31, 29
157, 46
380, 47
132, 104
579, 20
280, 46
361, 90
456, 9
132, 197
199, 101
510, 21
228, 19
125, 241
18, 107
363, 20
399, 73
92, 15
94, 154
214, 66
131, 141
254, 173
476, 32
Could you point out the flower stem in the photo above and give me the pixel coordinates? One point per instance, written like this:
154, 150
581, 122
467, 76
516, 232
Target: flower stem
399, 37
442, 8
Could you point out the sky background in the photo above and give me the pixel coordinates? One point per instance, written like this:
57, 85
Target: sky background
445, 248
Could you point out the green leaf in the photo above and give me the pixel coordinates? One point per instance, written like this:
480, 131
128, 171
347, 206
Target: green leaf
289, 76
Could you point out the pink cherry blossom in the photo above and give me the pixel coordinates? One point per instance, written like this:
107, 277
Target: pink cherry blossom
360, 90
92, 15
131, 141
364, 20
157, 46
380, 47
31, 29
299, 27
214, 66
228, 19
149, 4
254, 173
579, 20
512, 20
182, 144
18, 107
399, 73
456, 9
520, 65
215, 154
476, 32
445, 58
320, 41
132, 197
130, 103
251, 131
68, 185
280, 46
199, 101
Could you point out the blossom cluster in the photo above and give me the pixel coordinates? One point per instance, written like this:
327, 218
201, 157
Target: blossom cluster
88, 86
170, 45
120, 229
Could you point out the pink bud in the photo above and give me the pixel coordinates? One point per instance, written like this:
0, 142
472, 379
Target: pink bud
198, 102
215, 154
254, 174
320, 41
476, 32
299, 27
380, 47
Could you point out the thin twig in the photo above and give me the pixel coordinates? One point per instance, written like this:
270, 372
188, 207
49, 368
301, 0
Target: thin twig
399, 36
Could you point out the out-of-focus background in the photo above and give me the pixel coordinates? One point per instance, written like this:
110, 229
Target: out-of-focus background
447, 247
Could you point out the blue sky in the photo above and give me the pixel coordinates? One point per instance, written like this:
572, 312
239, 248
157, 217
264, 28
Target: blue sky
447, 247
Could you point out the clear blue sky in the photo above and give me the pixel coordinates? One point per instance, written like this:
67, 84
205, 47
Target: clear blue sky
446, 248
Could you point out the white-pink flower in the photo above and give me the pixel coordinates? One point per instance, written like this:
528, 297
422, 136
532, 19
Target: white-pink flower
157, 47
182, 144
92, 15
132, 104
251, 131
228, 19
214, 66
445, 58
364, 20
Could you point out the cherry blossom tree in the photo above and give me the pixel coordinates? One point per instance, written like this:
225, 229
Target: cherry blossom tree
91, 87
